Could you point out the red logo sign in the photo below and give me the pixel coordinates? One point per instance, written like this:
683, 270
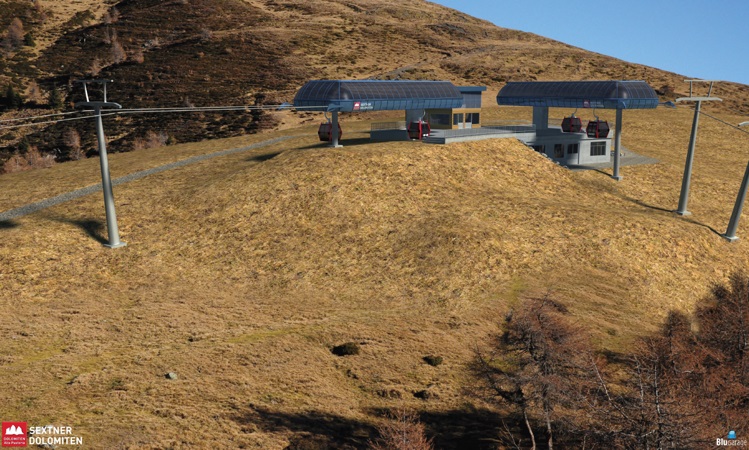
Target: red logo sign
357, 106
14, 434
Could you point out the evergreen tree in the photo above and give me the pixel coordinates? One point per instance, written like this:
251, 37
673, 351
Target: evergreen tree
29, 41
12, 99
55, 100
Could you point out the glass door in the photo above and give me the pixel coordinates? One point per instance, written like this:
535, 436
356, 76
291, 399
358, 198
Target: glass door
458, 121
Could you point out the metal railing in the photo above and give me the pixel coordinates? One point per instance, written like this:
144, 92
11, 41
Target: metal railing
484, 131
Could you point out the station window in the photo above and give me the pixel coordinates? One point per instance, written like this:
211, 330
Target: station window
598, 148
572, 149
439, 119
457, 119
473, 118
559, 150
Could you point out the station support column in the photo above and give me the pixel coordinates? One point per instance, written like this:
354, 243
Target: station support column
617, 145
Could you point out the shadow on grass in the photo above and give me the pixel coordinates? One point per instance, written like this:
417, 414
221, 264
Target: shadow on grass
473, 429
93, 227
582, 168
7, 224
311, 430
344, 142
263, 157
673, 212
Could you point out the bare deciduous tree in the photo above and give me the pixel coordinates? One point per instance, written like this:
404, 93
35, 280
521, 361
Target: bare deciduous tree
14, 34
34, 93
402, 432
118, 53
656, 405
95, 68
138, 56
111, 16
539, 364
72, 140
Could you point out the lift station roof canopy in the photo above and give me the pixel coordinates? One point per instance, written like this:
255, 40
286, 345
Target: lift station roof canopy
377, 95
579, 94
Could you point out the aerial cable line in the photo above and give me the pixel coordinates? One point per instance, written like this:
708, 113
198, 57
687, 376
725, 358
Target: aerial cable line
19, 119
10, 127
148, 111
215, 108
724, 122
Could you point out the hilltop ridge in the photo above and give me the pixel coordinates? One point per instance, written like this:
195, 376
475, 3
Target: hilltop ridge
237, 52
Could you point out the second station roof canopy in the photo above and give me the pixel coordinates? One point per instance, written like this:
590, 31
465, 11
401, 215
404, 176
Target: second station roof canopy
579, 94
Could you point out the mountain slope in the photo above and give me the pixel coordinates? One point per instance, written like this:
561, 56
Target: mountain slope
242, 272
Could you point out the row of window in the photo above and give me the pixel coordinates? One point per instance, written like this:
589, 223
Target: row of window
457, 119
473, 118
597, 148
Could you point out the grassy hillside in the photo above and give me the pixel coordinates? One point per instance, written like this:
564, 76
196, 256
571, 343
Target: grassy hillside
242, 272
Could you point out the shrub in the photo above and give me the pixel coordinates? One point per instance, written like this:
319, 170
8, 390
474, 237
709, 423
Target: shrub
349, 348
432, 360
138, 56
151, 140
16, 163
111, 16
37, 160
29, 41
95, 68
32, 159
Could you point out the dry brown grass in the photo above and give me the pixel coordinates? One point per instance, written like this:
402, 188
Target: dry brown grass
242, 272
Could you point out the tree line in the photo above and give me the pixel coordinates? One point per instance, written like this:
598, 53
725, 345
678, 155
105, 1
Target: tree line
681, 388
684, 387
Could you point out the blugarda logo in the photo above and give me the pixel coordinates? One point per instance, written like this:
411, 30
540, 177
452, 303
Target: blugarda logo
731, 441
14, 434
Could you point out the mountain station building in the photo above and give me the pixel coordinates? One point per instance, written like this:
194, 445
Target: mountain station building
452, 113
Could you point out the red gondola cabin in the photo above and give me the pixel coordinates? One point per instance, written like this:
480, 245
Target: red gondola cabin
597, 129
418, 130
325, 132
572, 124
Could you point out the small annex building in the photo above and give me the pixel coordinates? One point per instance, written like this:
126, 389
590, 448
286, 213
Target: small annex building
467, 116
